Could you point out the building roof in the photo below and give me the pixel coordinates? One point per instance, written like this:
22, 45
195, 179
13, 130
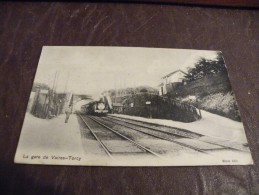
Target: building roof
170, 74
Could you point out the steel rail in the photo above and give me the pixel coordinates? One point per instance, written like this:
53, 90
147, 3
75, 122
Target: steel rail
154, 129
101, 143
125, 137
157, 136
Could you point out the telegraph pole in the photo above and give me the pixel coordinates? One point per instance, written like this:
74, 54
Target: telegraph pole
54, 81
68, 75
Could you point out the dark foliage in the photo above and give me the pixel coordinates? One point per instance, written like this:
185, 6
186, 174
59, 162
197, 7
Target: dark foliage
158, 107
131, 91
206, 67
143, 90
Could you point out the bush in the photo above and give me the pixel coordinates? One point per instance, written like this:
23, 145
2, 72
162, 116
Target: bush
223, 104
162, 108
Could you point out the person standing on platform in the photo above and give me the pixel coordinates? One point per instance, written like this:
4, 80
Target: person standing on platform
68, 111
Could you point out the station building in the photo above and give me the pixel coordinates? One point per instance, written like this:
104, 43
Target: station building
171, 81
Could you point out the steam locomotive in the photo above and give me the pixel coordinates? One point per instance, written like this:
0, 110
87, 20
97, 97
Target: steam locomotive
99, 108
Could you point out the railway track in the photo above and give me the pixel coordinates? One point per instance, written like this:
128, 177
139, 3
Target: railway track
171, 137
101, 139
122, 128
163, 136
178, 133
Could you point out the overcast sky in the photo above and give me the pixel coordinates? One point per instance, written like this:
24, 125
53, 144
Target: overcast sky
91, 70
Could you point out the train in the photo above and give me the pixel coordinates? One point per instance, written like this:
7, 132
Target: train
100, 108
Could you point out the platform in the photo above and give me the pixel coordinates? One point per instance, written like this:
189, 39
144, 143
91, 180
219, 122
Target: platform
50, 136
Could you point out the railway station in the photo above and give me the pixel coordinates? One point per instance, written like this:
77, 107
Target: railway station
124, 117
94, 129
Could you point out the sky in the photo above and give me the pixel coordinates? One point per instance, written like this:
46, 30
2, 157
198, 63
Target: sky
92, 70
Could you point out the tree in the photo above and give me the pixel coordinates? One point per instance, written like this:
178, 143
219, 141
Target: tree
84, 97
143, 90
204, 67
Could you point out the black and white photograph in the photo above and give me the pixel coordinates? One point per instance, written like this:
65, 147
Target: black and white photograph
132, 106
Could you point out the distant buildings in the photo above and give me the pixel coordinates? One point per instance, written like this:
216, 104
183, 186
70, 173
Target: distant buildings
171, 81
45, 103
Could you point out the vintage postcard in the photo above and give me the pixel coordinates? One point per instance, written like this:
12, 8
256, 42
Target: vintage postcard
132, 106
